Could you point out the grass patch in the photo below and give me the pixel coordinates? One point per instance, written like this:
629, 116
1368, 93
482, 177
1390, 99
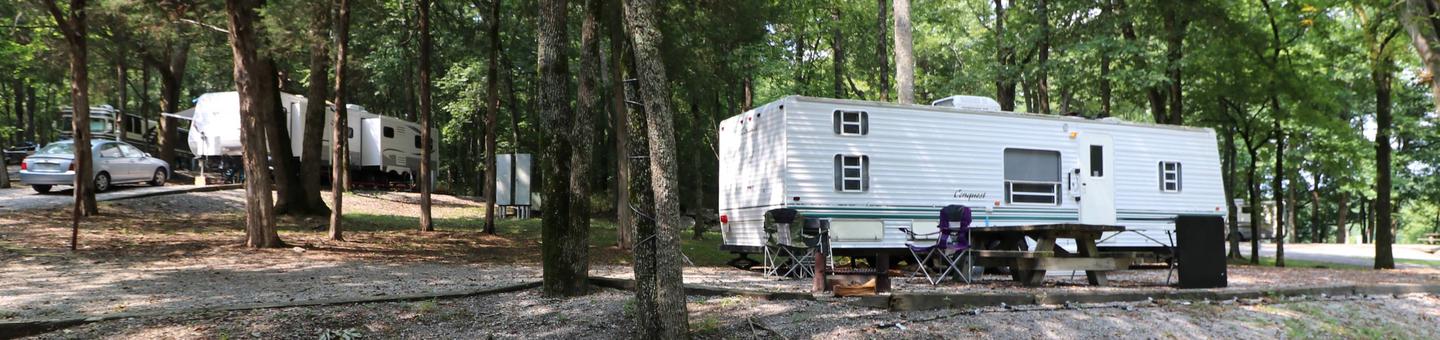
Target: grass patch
1432, 263
1292, 263
705, 252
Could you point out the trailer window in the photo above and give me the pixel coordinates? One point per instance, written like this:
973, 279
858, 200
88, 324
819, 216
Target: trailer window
851, 123
389, 132
1032, 176
852, 173
1170, 176
417, 142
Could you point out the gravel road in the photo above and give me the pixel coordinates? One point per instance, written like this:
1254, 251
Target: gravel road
1353, 254
22, 198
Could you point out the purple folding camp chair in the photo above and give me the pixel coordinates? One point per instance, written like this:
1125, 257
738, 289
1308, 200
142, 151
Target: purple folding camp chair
952, 248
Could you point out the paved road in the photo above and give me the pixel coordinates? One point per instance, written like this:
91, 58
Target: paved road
20, 197
1351, 254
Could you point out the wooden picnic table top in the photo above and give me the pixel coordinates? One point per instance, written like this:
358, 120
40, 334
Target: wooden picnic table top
1047, 228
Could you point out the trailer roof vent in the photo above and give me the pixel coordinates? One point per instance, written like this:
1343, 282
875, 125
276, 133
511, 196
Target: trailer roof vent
969, 103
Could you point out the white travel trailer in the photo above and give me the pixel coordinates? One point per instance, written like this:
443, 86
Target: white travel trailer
382, 149
873, 168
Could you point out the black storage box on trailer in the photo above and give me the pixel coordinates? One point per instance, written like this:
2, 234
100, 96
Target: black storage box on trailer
1201, 251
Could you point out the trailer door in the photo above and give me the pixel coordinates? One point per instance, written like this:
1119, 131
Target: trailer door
1097, 179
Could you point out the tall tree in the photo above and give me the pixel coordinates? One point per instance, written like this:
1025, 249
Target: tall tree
255, 105
624, 219
565, 274
339, 146
1175, 23
1152, 92
882, 54
837, 50
72, 25
590, 104
425, 105
904, 53
1004, 58
1042, 67
492, 112
1278, 185
315, 108
1379, 33
659, 291
170, 60
289, 196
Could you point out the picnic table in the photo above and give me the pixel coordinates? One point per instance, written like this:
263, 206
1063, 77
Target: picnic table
1431, 238
1005, 246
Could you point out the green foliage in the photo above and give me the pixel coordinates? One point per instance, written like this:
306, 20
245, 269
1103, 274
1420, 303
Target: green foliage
340, 334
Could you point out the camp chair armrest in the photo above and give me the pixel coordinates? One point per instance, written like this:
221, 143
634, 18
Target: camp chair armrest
912, 234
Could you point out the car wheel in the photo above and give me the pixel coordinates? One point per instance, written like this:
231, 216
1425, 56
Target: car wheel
159, 178
102, 182
41, 188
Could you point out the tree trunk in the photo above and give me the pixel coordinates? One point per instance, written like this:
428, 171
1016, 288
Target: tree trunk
1317, 231
1042, 78
1004, 82
1278, 186
32, 132
315, 111
882, 52
837, 51
492, 113
254, 111
565, 265
1152, 92
1382, 77
1341, 229
339, 146
426, 169
1255, 206
1232, 216
590, 105
288, 194
904, 53
624, 223
121, 77
73, 27
657, 256
172, 77
1175, 25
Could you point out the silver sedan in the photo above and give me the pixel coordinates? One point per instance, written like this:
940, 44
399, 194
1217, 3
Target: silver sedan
114, 163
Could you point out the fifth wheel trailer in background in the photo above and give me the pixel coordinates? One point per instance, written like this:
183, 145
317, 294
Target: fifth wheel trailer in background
383, 150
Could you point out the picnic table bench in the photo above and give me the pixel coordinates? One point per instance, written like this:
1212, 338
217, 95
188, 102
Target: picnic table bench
1431, 238
1005, 246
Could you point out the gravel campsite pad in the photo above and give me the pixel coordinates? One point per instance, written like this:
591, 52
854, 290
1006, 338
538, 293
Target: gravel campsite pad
607, 314
183, 255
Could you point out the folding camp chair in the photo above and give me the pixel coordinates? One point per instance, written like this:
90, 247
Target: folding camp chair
951, 249
781, 255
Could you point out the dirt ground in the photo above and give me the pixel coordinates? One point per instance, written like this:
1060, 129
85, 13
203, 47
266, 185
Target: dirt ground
607, 314
182, 252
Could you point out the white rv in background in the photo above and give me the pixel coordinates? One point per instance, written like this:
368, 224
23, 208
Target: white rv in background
382, 149
873, 168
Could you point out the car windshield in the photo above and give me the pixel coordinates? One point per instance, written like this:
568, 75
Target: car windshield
57, 149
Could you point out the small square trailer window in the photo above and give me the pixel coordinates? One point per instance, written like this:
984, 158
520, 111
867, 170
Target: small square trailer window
852, 173
851, 123
1170, 176
389, 132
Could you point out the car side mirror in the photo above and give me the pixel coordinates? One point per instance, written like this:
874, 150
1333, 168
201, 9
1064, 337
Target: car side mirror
147, 154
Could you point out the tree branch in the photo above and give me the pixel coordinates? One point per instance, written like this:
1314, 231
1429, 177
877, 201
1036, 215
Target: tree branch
205, 25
